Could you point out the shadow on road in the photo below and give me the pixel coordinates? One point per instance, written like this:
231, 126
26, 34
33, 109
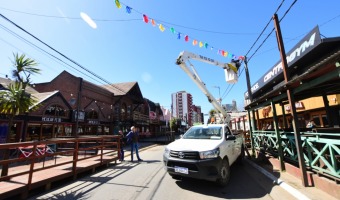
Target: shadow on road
245, 183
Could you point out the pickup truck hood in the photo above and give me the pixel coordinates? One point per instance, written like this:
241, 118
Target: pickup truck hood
194, 145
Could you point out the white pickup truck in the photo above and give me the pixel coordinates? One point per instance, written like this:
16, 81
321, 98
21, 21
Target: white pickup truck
204, 152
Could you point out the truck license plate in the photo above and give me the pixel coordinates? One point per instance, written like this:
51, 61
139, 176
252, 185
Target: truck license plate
181, 170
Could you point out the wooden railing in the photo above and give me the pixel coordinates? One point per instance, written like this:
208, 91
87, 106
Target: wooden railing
321, 151
42, 155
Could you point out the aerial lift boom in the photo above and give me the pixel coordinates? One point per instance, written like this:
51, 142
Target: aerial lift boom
230, 75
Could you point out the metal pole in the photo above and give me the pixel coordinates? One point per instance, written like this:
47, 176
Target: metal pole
291, 99
78, 105
248, 79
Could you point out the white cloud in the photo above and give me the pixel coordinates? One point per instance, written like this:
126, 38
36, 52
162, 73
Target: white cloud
88, 20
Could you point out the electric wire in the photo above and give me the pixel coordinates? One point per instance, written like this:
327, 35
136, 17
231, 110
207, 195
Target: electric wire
44, 51
287, 11
72, 18
123, 20
64, 56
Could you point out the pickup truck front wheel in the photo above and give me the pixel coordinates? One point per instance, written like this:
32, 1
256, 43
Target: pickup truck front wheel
224, 174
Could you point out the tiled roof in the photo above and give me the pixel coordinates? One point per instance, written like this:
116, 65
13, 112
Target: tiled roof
5, 82
120, 89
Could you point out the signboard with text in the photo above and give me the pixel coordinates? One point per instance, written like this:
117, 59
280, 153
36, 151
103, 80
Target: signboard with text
309, 42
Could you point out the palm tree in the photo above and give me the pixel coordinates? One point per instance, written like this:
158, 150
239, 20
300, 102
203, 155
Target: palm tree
15, 100
23, 69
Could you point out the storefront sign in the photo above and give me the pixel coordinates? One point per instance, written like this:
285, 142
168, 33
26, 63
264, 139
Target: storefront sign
309, 42
298, 105
81, 116
51, 119
94, 122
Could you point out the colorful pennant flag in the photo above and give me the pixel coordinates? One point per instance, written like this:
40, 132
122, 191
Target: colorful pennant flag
145, 19
118, 4
161, 27
186, 37
128, 9
153, 22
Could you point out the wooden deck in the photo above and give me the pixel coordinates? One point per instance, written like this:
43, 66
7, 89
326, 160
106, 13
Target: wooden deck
39, 173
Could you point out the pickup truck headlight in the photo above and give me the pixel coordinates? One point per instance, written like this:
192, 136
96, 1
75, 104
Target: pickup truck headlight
166, 152
210, 154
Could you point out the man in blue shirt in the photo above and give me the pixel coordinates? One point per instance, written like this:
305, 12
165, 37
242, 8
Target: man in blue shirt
133, 137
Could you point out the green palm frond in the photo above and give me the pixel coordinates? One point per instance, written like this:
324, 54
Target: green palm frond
25, 66
15, 100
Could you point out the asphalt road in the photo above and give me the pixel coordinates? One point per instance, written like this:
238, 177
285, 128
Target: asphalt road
148, 180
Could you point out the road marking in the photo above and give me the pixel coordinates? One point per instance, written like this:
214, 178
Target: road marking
279, 182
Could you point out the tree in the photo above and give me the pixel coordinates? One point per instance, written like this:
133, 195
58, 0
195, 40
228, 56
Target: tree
15, 100
212, 113
173, 124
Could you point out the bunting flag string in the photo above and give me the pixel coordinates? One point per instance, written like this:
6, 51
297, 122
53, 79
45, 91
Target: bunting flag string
195, 42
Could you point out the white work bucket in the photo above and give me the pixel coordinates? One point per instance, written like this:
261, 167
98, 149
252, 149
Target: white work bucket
230, 76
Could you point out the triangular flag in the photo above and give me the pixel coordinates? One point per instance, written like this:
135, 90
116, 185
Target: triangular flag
194, 42
153, 22
161, 27
179, 36
225, 54
118, 4
186, 38
128, 9
201, 44
172, 30
206, 45
145, 19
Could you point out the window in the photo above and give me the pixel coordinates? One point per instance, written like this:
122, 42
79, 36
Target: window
324, 121
55, 110
123, 111
92, 114
316, 120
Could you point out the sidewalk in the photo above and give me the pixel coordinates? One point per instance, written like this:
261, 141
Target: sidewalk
290, 183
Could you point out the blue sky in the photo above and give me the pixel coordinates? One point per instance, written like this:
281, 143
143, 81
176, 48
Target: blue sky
123, 48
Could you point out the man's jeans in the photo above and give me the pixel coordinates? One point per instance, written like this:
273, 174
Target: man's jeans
134, 146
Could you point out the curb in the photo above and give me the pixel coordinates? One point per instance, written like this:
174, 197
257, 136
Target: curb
279, 182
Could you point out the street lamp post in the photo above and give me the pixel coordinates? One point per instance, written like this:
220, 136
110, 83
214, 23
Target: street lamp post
219, 94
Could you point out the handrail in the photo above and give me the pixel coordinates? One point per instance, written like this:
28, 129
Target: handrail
321, 150
106, 145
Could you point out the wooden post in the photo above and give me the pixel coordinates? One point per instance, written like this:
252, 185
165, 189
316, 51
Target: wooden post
278, 135
75, 158
251, 132
291, 100
30, 175
328, 111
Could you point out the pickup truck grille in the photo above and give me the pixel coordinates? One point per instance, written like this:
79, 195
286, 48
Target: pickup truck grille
188, 155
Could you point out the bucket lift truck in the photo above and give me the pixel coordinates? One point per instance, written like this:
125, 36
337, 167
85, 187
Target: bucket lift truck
230, 76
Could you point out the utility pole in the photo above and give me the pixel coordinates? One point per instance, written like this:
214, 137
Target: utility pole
78, 105
291, 100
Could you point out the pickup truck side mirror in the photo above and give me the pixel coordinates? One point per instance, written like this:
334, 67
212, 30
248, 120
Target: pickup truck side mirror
230, 137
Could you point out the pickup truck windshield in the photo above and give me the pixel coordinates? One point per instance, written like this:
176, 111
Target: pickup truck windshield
208, 133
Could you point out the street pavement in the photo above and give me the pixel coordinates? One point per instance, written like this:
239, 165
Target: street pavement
149, 180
